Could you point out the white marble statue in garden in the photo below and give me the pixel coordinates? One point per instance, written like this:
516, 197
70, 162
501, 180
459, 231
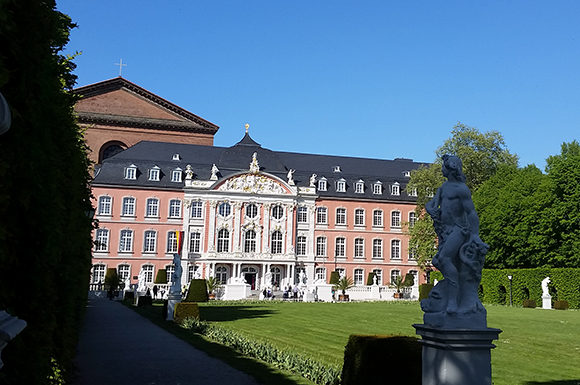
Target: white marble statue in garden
545, 291
454, 302
141, 283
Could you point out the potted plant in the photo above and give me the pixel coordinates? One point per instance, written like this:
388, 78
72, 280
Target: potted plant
212, 285
400, 283
343, 285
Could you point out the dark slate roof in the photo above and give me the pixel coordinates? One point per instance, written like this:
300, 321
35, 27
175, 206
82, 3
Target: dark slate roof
237, 158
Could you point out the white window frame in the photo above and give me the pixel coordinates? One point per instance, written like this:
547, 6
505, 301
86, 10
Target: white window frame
250, 241
194, 242
124, 271
154, 174
301, 245
322, 184
379, 275
359, 217
169, 271
150, 241
320, 274
126, 241
152, 208
377, 218
359, 276
172, 246
341, 185
102, 240
99, 271
278, 212
321, 246
277, 242
340, 247
221, 274
396, 219
395, 189
322, 215
340, 216
377, 248
128, 208
359, 248
223, 241
378, 188
251, 210
148, 270
197, 209
176, 175
395, 249
105, 205
395, 273
131, 172
302, 214
174, 208
359, 187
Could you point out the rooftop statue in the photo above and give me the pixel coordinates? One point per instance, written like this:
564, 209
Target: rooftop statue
454, 303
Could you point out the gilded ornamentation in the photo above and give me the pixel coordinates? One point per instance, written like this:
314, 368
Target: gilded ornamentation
251, 183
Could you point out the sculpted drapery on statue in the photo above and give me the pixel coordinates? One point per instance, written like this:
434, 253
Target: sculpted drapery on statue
454, 303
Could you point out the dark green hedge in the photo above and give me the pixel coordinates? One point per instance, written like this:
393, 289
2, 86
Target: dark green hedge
527, 284
197, 291
161, 276
370, 278
45, 234
334, 277
372, 359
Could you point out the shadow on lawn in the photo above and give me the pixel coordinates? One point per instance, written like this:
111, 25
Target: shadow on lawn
558, 382
231, 313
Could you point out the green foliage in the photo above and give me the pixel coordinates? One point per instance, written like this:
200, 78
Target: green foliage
527, 284
112, 279
185, 310
425, 181
370, 278
561, 305
262, 350
45, 234
197, 291
423, 240
212, 284
161, 277
530, 303
424, 290
344, 284
334, 277
400, 283
481, 153
398, 356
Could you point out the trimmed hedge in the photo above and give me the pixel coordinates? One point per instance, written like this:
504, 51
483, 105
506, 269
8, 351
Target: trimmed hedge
424, 290
371, 359
561, 305
370, 278
334, 277
184, 310
161, 276
527, 284
197, 291
530, 303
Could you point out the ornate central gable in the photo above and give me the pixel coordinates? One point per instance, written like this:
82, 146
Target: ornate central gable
254, 184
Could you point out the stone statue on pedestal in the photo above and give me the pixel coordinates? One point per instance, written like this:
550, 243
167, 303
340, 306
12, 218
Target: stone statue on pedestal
141, 284
454, 303
176, 277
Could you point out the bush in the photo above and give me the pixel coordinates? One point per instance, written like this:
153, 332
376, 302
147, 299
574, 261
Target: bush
144, 300
530, 303
112, 280
184, 310
561, 305
370, 278
424, 290
334, 277
161, 277
197, 291
398, 357
129, 296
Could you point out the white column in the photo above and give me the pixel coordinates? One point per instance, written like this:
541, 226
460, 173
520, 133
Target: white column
211, 232
266, 231
236, 229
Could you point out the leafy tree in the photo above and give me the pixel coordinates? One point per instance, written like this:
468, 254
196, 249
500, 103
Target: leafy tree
481, 153
515, 209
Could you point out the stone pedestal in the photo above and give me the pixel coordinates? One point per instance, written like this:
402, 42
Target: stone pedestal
309, 297
236, 291
375, 292
456, 356
172, 300
10, 327
546, 301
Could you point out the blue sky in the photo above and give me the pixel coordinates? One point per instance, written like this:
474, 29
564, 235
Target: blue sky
378, 79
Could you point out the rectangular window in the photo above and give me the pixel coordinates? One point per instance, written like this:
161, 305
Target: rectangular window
340, 247
377, 189
359, 217
191, 272
341, 216
148, 270
395, 190
124, 272
154, 174
377, 248
250, 241
176, 176
99, 273
321, 246
175, 208
223, 241
301, 245
172, 242
194, 242
396, 219
379, 275
359, 188
102, 240
152, 207
322, 185
131, 173
321, 215
150, 241
126, 241
412, 218
320, 274
396, 249
359, 248
358, 276
341, 186
128, 207
197, 209
105, 205
302, 216
377, 218
169, 270
394, 275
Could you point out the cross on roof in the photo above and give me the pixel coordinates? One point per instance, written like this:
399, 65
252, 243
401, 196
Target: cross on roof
121, 65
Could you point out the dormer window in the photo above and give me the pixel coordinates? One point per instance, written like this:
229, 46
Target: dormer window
322, 184
378, 188
413, 192
176, 157
131, 172
395, 189
359, 187
341, 185
336, 169
154, 174
176, 175
407, 174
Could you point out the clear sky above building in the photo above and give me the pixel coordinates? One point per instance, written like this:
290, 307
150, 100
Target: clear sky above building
378, 79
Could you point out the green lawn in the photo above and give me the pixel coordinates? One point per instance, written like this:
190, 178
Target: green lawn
535, 347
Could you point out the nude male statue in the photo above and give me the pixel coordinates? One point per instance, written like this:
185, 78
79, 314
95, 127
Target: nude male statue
461, 252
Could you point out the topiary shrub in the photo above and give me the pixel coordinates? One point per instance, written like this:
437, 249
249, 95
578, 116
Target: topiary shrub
561, 305
334, 277
197, 291
424, 290
398, 357
144, 300
161, 277
112, 280
530, 303
184, 310
370, 278
129, 296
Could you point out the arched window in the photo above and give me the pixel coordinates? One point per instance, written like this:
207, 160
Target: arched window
99, 273
250, 242
251, 210
224, 209
102, 240
276, 242
221, 274
377, 218
395, 249
321, 215
175, 208
223, 241
152, 207
377, 248
396, 219
126, 241
359, 217
359, 276
150, 241
340, 247
277, 212
276, 276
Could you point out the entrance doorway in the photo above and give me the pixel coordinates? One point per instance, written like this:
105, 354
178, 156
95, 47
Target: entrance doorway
250, 274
